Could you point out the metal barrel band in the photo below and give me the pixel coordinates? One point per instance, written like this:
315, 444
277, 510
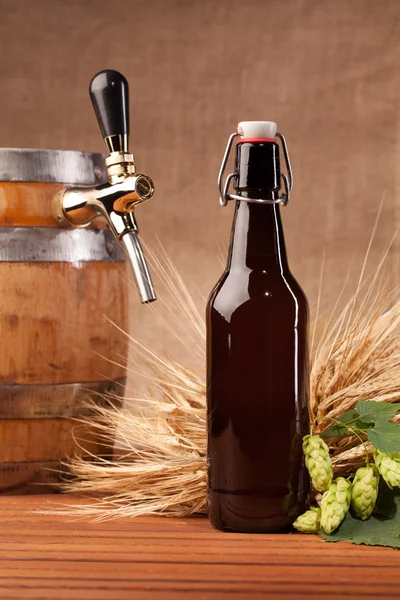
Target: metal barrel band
45, 401
225, 196
13, 476
52, 166
47, 244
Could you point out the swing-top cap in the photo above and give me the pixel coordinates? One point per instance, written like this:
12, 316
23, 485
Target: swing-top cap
257, 129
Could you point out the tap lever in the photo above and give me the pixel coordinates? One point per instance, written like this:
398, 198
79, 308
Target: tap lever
109, 93
114, 201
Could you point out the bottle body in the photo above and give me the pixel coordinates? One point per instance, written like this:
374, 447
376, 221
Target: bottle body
257, 381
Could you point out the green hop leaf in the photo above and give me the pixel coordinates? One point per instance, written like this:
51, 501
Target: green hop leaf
387, 504
318, 462
371, 411
335, 503
389, 467
385, 436
364, 491
350, 418
373, 419
308, 522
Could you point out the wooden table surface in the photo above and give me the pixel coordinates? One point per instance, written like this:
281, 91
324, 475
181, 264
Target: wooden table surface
54, 557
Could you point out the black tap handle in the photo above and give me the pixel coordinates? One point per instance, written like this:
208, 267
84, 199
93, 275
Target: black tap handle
110, 96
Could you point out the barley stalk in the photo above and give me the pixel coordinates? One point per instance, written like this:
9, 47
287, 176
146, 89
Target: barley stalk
161, 438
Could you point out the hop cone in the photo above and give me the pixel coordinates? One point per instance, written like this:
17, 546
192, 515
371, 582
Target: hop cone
309, 522
389, 467
335, 503
365, 491
318, 462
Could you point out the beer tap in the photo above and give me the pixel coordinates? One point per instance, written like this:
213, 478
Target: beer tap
115, 201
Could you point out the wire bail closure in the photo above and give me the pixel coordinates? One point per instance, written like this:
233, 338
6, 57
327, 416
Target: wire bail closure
225, 196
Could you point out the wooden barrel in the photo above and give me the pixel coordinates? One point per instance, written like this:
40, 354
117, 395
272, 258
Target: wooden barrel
58, 288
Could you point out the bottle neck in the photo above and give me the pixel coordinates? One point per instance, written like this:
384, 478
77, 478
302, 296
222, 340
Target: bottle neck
257, 240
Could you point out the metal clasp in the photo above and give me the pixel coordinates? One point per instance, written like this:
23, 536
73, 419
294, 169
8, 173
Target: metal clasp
225, 196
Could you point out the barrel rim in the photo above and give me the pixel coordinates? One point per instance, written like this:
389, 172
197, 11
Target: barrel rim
41, 165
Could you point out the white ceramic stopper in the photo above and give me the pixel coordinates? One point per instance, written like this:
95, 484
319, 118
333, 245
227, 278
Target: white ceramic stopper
257, 129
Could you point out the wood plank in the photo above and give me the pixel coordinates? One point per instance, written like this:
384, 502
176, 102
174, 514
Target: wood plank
148, 588
44, 556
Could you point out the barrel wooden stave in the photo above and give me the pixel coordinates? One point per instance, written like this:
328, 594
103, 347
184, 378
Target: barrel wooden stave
54, 322
55, 328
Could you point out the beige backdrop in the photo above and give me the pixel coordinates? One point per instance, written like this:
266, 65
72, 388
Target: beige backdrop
326, 70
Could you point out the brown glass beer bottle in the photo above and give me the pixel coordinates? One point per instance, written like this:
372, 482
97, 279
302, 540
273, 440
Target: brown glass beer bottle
257, 357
